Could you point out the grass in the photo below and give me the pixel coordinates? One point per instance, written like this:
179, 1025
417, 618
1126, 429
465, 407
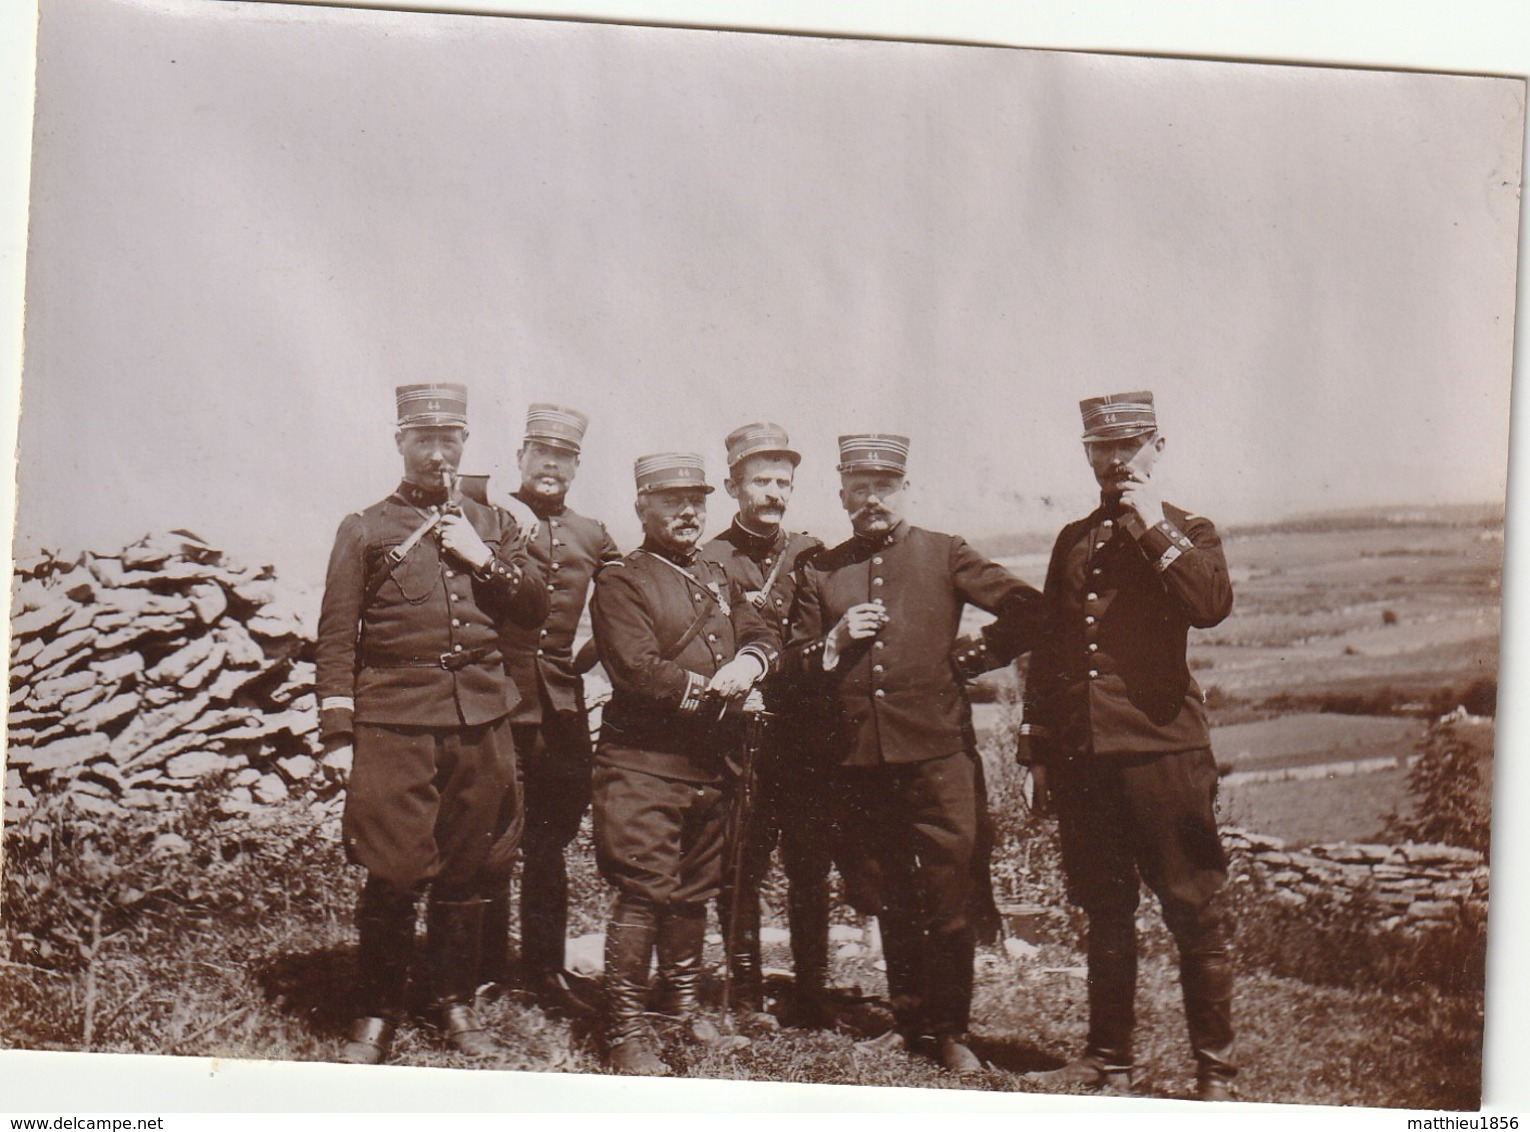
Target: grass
266, 973
1310, 811
206, 934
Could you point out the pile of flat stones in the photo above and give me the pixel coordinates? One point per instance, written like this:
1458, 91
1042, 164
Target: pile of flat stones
1411, 886
136, 673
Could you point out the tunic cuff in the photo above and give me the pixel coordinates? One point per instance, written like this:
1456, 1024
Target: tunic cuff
695, 686
1164, 543
495, 570
764, 656
971, 657
336, 715
830, 653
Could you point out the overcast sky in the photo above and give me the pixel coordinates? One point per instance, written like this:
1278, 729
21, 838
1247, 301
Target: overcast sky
249, 223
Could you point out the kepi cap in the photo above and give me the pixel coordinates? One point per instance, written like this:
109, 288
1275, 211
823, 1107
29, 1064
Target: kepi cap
761, 437
664, 470
432, 405
1118, 416
556, 425
873, 452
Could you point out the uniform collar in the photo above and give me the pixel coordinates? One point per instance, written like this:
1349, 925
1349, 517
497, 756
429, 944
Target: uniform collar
1110, 507
877, 542
685, 560
541, 507
417, 496
746, 539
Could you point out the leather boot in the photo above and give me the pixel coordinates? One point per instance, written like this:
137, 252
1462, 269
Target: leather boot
544, 906
385, 922
1087, 1072
453, 943
741, 917
1107, 1062
903, 952
1112, 957
808, 915
629, 950
681, 936
494, 953
1207, 980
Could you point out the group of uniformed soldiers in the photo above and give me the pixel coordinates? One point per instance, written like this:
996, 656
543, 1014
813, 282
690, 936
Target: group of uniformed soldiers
767, 691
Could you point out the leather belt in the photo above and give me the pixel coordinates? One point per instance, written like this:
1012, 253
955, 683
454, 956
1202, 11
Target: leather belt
451, 661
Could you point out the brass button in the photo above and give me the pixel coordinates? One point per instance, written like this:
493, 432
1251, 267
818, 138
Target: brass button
1093, 672
1089, 620
1092, 597
876, 581
881, 693
456, 648
451, 573
877, 561
877, 668
456, 623
1093, 647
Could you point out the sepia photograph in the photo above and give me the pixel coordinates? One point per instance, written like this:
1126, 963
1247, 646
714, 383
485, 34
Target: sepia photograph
690, 547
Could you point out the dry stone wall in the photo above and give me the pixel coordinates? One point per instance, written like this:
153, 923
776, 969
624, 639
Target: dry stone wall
136, 673
1412, 886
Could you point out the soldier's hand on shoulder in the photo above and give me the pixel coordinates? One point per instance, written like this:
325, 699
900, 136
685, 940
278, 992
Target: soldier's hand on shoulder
527, 524
460, 539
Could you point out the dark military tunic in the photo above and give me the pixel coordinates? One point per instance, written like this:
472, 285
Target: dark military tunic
663, 628
1110, 675
550, 725
1118, 717
898, 693
910, 789
569, 548
793, 800
409, 664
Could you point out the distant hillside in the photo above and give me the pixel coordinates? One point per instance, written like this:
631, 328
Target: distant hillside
1015, 543
1474, 515
1478, 516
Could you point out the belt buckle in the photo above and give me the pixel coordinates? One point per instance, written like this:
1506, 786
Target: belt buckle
445, 660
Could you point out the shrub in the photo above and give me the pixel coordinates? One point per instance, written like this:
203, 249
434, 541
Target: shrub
1339, 939
95, 912
1448, 788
